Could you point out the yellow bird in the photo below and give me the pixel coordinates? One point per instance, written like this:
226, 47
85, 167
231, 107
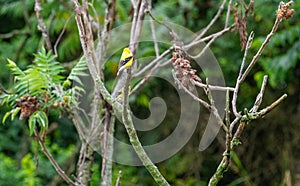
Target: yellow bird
126, 60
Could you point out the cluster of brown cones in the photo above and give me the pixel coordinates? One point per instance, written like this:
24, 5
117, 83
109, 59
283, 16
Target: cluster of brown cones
283, 11
183, 70
28, 105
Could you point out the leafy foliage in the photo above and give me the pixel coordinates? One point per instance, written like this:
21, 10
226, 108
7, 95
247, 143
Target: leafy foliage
39, 117
25, 174
77, 71
42, 81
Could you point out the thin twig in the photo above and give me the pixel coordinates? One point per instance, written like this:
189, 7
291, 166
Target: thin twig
153, 32
104, 34
13, 33
217, 34
26, 14
60, 36
204, 49
41, 25
85, 36
214, 110
154, 38
142, 82
239, 131
266, 110
233, 123
238, 81
248, 45
152, 63
51, 159
210, 37
247, 117
228, 13
134, 26
196, 98
262, 47
260, 95
212, 87
227, 111
119, 178
218, 14
222, 168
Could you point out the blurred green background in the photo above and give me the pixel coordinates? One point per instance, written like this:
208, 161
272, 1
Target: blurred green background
270, 150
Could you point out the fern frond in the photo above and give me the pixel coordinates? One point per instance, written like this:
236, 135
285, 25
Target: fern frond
37, 82
19, 74
77, 70
46, 64
33, 83
38, 117
13, 114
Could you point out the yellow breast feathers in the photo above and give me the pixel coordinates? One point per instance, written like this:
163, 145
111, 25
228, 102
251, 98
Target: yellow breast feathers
126, 59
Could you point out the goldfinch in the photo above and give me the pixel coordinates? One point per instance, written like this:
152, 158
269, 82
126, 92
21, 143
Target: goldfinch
126, 60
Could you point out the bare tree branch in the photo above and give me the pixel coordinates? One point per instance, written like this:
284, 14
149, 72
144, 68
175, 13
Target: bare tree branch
50, 157
226, 155
153, 32
228, 13
212, 87
244, 119
196, 98
152, 63
86, 36
13, 33
259, 96
238, 81
212, 22
107, 148
119, 178
262, 47
41, 25
207, 38
60, 36
214, 109
134, 140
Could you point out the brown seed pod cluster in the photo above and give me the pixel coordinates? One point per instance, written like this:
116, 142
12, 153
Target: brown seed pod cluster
28, 105
183, 70
284, 12
240, 21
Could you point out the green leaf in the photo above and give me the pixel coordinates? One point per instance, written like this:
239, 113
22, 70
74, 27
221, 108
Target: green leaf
78, 70
48, 67
31, 124
39, 117
36, 82
13, 114
15, 69
5, 116
42, 119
